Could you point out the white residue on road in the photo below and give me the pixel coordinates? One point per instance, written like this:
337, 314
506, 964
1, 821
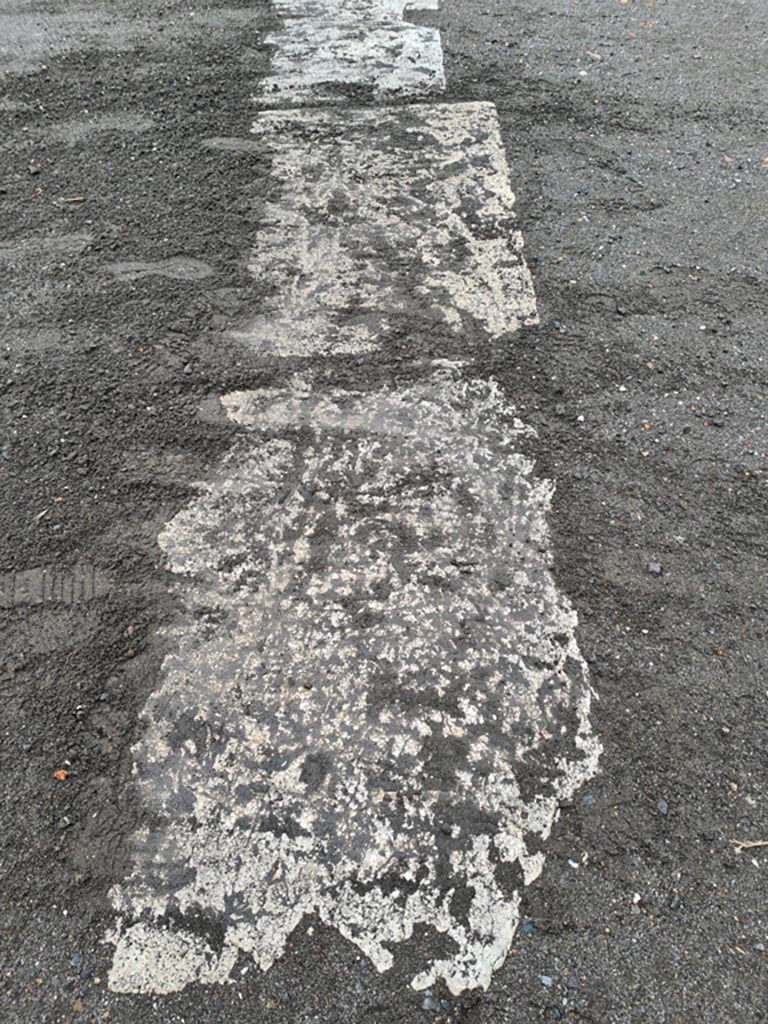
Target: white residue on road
387, 222
372, 649
326, 45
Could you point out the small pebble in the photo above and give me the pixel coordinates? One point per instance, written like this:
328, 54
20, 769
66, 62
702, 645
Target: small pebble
103, 696
588, 800
188, 369
430, 1003
654, 568
662, 806
545, 980
74, 960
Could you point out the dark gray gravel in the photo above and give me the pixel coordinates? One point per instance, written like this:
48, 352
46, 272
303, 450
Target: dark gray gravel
636, 136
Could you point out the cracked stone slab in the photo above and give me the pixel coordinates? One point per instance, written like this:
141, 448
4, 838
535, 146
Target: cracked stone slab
325, 46
373, 702
389, 224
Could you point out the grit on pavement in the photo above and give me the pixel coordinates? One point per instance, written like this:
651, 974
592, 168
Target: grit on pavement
151, 363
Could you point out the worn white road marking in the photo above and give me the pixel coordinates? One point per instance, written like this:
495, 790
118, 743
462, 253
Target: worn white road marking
388, 222
326, 45
374, 702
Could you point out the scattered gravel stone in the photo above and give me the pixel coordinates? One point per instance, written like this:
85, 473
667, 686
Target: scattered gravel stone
430, 1003
662, 806
545, 980
654, 568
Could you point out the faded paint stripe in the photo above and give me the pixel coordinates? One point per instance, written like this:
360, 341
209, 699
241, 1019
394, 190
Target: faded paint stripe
177, 268
326, 46
374, 701
372, 656
40, 247
389, 223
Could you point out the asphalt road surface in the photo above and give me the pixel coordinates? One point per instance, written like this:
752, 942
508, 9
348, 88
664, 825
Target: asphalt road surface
383, 502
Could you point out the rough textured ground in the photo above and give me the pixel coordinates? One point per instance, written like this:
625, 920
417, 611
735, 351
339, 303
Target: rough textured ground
635, 134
